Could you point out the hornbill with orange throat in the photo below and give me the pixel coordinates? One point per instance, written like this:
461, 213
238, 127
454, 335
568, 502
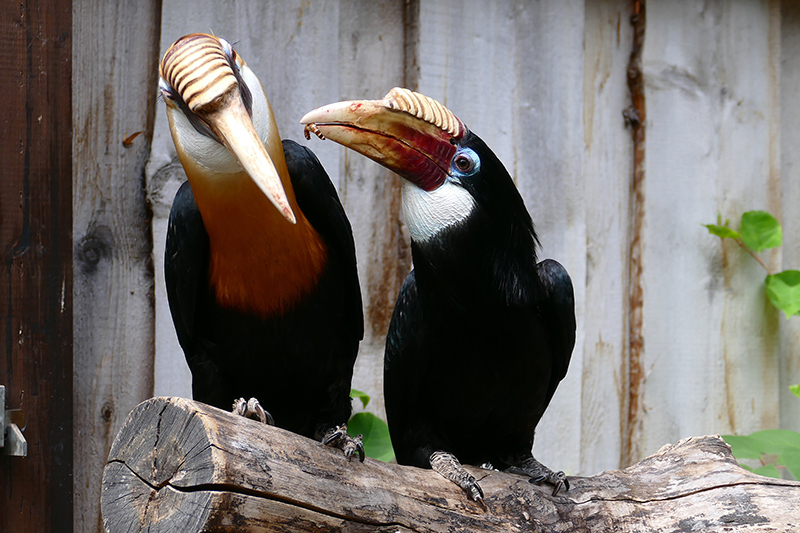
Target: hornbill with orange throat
481, 333
260, 261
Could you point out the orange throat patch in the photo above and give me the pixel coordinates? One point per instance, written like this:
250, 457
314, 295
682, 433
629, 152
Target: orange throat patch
259, 263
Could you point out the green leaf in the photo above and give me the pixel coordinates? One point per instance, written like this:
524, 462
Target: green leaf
363, 396
377, 443
775, 441
781, 443
769, 471
760, 231
783, 290
791, 460
722, 231
796, 391
743, 446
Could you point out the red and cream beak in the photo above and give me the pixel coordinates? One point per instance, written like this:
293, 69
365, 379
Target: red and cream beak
409, 133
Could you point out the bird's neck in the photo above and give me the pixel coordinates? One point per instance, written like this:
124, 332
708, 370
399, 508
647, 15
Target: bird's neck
258, 261
482, 259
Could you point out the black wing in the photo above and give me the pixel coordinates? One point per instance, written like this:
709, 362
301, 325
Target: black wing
185, 273
558, 311
404, 365
185, 262
319, 201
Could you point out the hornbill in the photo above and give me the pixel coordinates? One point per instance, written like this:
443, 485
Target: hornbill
260, 261
481, 333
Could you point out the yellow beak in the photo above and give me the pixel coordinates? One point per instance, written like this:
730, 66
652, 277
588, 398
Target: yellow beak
234, 128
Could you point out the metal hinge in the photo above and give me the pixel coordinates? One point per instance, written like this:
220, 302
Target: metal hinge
13, 422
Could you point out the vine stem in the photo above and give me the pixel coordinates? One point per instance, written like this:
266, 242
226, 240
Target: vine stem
753, 254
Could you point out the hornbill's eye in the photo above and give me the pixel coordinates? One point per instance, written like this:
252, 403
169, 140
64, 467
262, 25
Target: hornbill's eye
466, 162
230, 53
166, 90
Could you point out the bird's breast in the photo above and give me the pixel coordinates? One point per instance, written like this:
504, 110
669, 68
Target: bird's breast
258, 262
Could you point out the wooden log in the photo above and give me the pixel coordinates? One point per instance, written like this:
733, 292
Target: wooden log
179, 465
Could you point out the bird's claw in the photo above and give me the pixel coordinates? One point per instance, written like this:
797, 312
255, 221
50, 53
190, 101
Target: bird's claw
252, 409
448, 466
558, 479
354, 445
537, 472
560, 482
471, 487
338, 437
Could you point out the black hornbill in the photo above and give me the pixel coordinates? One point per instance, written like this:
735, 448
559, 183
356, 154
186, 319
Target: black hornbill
260, 261
481, 334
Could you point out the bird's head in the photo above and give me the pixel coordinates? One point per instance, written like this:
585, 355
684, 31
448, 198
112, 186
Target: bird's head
220, 118
448, 170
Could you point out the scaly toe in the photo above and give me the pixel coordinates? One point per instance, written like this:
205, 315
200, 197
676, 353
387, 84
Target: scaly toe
252, 409
334, 435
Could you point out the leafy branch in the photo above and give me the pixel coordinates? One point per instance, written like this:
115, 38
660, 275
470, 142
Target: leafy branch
760, 231
775, 449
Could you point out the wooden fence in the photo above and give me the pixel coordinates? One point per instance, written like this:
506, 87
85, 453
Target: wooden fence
675, 336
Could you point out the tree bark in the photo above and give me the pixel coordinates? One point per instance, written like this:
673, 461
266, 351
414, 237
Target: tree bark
179, 465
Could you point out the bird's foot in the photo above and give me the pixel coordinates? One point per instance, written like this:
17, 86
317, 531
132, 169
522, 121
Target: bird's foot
338, 437
252, 409
446, 464
538, 472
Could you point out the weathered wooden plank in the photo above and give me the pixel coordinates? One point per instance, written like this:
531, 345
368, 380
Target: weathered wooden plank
790, 180
711, 343
178, 465
607, 184
513, 72
36, 278
114, 67
371, 62
549, 148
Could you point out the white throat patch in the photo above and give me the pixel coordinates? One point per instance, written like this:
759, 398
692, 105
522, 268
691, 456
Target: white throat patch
429, 212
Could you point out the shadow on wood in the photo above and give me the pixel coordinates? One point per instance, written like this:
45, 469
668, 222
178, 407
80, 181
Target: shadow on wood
179, 465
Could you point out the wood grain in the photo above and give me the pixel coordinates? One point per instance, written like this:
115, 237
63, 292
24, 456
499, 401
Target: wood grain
790, 180
36, 278
711, 338
115, 58
608, 169
371, 54
178, 465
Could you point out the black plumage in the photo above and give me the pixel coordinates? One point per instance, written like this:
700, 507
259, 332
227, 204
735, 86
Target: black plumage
260, 262
298, 364
480, 336
482, 333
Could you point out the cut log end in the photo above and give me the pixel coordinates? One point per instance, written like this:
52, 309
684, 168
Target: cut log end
179, 465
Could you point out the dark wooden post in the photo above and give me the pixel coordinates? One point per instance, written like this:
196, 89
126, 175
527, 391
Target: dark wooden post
36, 278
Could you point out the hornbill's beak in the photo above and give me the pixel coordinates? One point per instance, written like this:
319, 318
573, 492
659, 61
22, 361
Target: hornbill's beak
198, 70
406, 132
234, 128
